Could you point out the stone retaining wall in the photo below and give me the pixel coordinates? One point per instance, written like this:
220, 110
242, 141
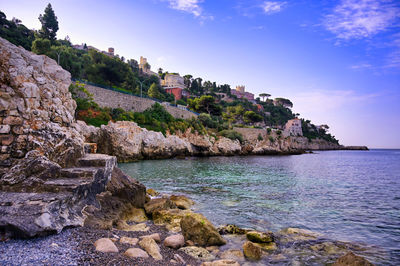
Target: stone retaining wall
113, 99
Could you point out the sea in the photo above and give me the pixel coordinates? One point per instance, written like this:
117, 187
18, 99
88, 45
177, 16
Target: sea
347, 196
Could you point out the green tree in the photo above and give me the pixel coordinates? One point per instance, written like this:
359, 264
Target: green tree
49, 24
263, 95
153, 92
41, 46
284, 102
251, 117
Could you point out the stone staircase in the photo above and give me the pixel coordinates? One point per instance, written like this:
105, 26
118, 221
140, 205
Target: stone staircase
57, 201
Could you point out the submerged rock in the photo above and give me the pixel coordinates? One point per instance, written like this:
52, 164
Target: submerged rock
251, 251
197, 228
231, 229
350, 259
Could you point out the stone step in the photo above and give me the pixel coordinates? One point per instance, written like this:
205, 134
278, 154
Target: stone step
90, 147
65, 185
79, 172
97, 160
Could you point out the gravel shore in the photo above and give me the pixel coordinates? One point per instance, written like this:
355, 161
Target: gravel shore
74, 246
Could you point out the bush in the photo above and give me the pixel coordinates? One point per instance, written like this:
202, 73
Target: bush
268, 130
271, 139
260, 138
231, 134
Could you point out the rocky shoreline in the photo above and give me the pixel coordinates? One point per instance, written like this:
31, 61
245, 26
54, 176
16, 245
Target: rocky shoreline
52, 180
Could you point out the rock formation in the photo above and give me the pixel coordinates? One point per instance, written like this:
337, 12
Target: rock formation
46, 179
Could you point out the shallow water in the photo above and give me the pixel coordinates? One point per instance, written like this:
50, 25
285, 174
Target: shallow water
345, 195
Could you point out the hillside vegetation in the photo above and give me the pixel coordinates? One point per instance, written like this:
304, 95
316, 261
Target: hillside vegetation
217, 115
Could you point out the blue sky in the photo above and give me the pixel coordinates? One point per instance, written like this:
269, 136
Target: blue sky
338, 61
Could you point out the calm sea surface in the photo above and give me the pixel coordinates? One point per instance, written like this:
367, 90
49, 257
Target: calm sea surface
346, 195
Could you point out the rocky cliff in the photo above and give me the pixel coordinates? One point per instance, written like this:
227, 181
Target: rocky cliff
46, 179
129, 142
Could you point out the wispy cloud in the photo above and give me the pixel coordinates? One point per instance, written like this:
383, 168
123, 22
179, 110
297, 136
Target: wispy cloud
271, 7
189, 6
356, 19
361, 66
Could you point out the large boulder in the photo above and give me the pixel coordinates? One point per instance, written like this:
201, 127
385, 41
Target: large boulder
251, 251
196, 228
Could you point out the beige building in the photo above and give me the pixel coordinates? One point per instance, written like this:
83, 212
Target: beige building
173, 81
293, 128
240, 88
145, 67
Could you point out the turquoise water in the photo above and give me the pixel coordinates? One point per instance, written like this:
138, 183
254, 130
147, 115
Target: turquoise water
346, 195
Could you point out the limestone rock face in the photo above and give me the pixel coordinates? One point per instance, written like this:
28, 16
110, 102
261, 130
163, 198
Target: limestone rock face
36, 108
195, 227
225, 146
46, 180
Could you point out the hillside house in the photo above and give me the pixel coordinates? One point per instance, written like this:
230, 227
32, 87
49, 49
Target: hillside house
293, 128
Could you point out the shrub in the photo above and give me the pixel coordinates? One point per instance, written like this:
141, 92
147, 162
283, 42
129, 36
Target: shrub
271, 139
231, 134
260, 138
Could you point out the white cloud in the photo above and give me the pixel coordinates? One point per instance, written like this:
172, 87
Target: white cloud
356, 19
361, 66
271, 7
189, 6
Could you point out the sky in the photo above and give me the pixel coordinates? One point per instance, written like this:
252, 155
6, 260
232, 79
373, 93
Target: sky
338, 61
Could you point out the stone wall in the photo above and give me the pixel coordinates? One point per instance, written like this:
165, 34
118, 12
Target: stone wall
113, 99
251, 134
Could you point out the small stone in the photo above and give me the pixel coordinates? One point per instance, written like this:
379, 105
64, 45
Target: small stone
6, 140
212, 248
4, 129
251, 251
54, 245
128, 240
155, 236
221, 263
150, 245
113, 239
136, 253
105, 245
19, 130
122, 225
179, 259
13, 121
174, 241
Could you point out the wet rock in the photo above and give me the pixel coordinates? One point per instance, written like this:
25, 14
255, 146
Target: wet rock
260, 237
197, 228
105, 245
221, 263
170, 218
350, 259
298, 234
151, 247
231, 229
174, 241
267, 246
152, 192
155, 236
251, 251
158, 204
136, 253
128, 240
198, 253
182, 202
